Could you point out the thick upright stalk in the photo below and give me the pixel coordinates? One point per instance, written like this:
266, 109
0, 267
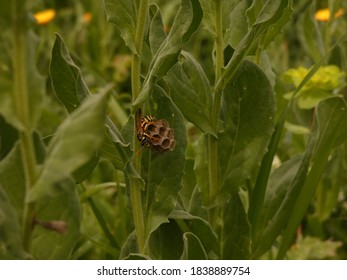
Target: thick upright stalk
219, 39
135, 190
21, 103
212, 141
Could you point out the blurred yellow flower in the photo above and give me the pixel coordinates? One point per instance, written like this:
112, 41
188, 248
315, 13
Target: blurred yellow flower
87, 17
44, 16
324, 14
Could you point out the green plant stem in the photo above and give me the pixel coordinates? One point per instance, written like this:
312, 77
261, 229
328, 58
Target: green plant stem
212, 141
135, 190
219, 39
21, 103
213, 166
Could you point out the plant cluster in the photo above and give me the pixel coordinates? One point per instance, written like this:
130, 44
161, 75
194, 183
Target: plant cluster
251, 96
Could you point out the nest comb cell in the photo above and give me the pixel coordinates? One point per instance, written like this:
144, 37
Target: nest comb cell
161, 136
154, 134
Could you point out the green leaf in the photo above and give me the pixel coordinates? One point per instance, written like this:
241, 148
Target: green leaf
277, 23
186, 22
312, 248
234, 24
311, 99
236, 231
188, 184
99, 214
8, 137
330, 124
309, 33
12, 178
192, 248
198, 226
5, 12
254, 10
35, 86
280, 218
248, 113
257, 198
84, 171
67, 80
328, 131
123, 13
7, 109
277, 188
163, 173
137, 257
71, 90
75, 142
64, 209
167, 243
190, 90
157, 33
330, 186
115, 149
129, 246
11, 246
296, 129
201, 168
269, 18
233, 18
260, 186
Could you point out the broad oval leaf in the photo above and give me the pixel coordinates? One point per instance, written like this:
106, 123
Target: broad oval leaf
248, 113
67, 80
163, 172
71, 90
191, 92
157, 33
74, 143
123, 14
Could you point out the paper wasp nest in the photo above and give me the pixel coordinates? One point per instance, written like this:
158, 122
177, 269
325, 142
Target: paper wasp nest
162, 136
155, 134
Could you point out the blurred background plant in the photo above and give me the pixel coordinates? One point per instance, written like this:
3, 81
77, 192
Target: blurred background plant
315, 34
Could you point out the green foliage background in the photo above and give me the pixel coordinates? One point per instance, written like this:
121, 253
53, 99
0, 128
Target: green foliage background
255, 92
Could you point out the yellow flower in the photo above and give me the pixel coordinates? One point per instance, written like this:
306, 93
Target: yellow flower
87, 17
44, 16
324, 14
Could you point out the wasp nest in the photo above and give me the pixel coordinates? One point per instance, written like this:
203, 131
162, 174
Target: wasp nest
162, 136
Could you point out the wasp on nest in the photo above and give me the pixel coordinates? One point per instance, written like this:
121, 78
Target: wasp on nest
154, 134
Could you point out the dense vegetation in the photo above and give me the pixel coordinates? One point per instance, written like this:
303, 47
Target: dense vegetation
254, 91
